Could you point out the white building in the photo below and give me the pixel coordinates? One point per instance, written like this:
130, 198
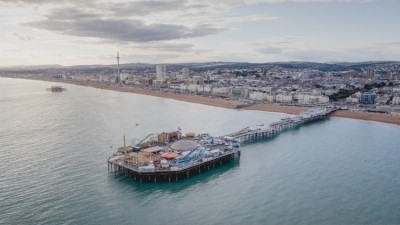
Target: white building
271, 98
284, 98
311, 99
161, 71
183, 87
382, 99
353, 100
207, 88
258, 95
193, 87
396, 100
220, 90
266, 89
396, 89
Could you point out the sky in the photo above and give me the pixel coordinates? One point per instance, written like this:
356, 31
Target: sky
77, 32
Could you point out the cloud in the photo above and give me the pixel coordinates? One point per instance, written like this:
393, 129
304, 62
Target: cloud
23, 37
72, 13
388, 44
142, 8
366, 53
166, 47
234, 3
41, 2
114, 22
122, 29
248, 18
270, 50
195, 2
25, 1
282, 1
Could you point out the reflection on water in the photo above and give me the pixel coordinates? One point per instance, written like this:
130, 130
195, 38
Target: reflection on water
202, 178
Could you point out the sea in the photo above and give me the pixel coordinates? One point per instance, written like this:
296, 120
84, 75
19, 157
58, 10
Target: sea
54, 149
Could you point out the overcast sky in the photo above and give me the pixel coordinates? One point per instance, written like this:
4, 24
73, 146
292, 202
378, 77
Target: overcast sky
74, 32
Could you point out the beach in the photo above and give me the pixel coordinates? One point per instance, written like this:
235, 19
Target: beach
235, 104
384, 118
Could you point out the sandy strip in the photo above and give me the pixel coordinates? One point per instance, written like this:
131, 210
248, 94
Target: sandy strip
231, 104
268, 107
384, 118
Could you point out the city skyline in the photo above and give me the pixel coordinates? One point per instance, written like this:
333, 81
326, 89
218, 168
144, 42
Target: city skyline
70, 32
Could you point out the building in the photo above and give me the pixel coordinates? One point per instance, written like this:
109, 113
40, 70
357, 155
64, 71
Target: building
368, 98
161, 72
239, 92
284, 98
271, 97
258, 95
396, 100
382, 99
352, 100
370, 73
185, 73
311, 99
220, 90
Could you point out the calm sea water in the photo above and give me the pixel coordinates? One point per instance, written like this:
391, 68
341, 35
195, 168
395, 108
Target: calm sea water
54, 146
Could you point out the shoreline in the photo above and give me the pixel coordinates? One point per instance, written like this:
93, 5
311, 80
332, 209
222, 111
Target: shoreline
234, 104
368, 116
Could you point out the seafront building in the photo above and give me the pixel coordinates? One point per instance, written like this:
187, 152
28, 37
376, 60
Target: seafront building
396, 100
368, 98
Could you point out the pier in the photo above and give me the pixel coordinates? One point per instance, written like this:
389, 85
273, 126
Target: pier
171, 174
56, 89
186, 157
265, 131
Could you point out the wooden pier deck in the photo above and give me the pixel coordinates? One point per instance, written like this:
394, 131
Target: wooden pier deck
172, 174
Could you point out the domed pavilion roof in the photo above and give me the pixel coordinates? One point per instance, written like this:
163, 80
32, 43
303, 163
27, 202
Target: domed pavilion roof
184, 145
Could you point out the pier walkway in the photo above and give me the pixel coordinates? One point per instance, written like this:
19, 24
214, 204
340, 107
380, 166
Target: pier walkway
264, 131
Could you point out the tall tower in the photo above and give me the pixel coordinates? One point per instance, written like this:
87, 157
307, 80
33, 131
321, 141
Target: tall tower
119, 75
